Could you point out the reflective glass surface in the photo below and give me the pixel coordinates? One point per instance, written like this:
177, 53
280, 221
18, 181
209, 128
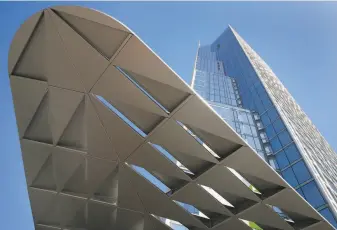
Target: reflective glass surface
313, 195
289, 176
292, 153
326, 212
227, 58
301, 172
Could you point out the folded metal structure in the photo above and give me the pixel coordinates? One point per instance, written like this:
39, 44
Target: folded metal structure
99, 113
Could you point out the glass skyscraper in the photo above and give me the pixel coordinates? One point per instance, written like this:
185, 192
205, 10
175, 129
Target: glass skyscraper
245, 92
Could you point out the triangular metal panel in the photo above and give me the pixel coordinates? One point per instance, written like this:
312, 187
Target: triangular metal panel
117, 88
151, 159
127, 194
21, 39
127, 219
288, 200
98, 142
140, 62
97, 171
151, 223
34, 154
166, 95
245, 160
27, 96
62, 106
39, 127
107, 191
194, 114
151, 197
101, 216
89, 63
104, 38
126, 140
32, 61
232, 224
65, 162
74, 135
63, 210
59, 69
41, 200
175, 139
262, 214
222, 147
144, 120
223, 181
195, 195
46, 179
92, 15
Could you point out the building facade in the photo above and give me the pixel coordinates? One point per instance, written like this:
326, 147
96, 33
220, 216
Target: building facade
245, 92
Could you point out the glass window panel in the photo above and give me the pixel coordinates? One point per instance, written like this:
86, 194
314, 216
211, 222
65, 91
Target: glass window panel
275, 144
250, 119
258, 144
250, 141
282, 159
259, 125
284, 138
273, 163
246, 129
289, 176
301, 172
254, 132
272, 113
328, 215
312, 194
278, 125
292, 153
270, 131
267, 149
267, 102
259, 106
265, 119
243, 117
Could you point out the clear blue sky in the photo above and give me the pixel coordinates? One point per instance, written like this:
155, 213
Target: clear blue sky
298, 41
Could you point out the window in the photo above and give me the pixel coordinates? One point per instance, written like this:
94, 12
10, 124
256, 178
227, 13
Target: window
267, 102
292, 153
242, 117
275, 144
282, 160
259, 106
272, 113
278, 125
289, 176
258, 144
312, 194
328, 215
284, 138
270, 131
301, 172
245, 129
265, 119
250, 141
267, 149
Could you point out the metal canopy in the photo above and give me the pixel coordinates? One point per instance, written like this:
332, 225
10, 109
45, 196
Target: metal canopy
97, 110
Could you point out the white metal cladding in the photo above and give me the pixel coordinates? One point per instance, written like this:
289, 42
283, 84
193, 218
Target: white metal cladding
92, 101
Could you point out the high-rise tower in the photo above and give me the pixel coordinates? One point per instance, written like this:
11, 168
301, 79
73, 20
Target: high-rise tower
242, 88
